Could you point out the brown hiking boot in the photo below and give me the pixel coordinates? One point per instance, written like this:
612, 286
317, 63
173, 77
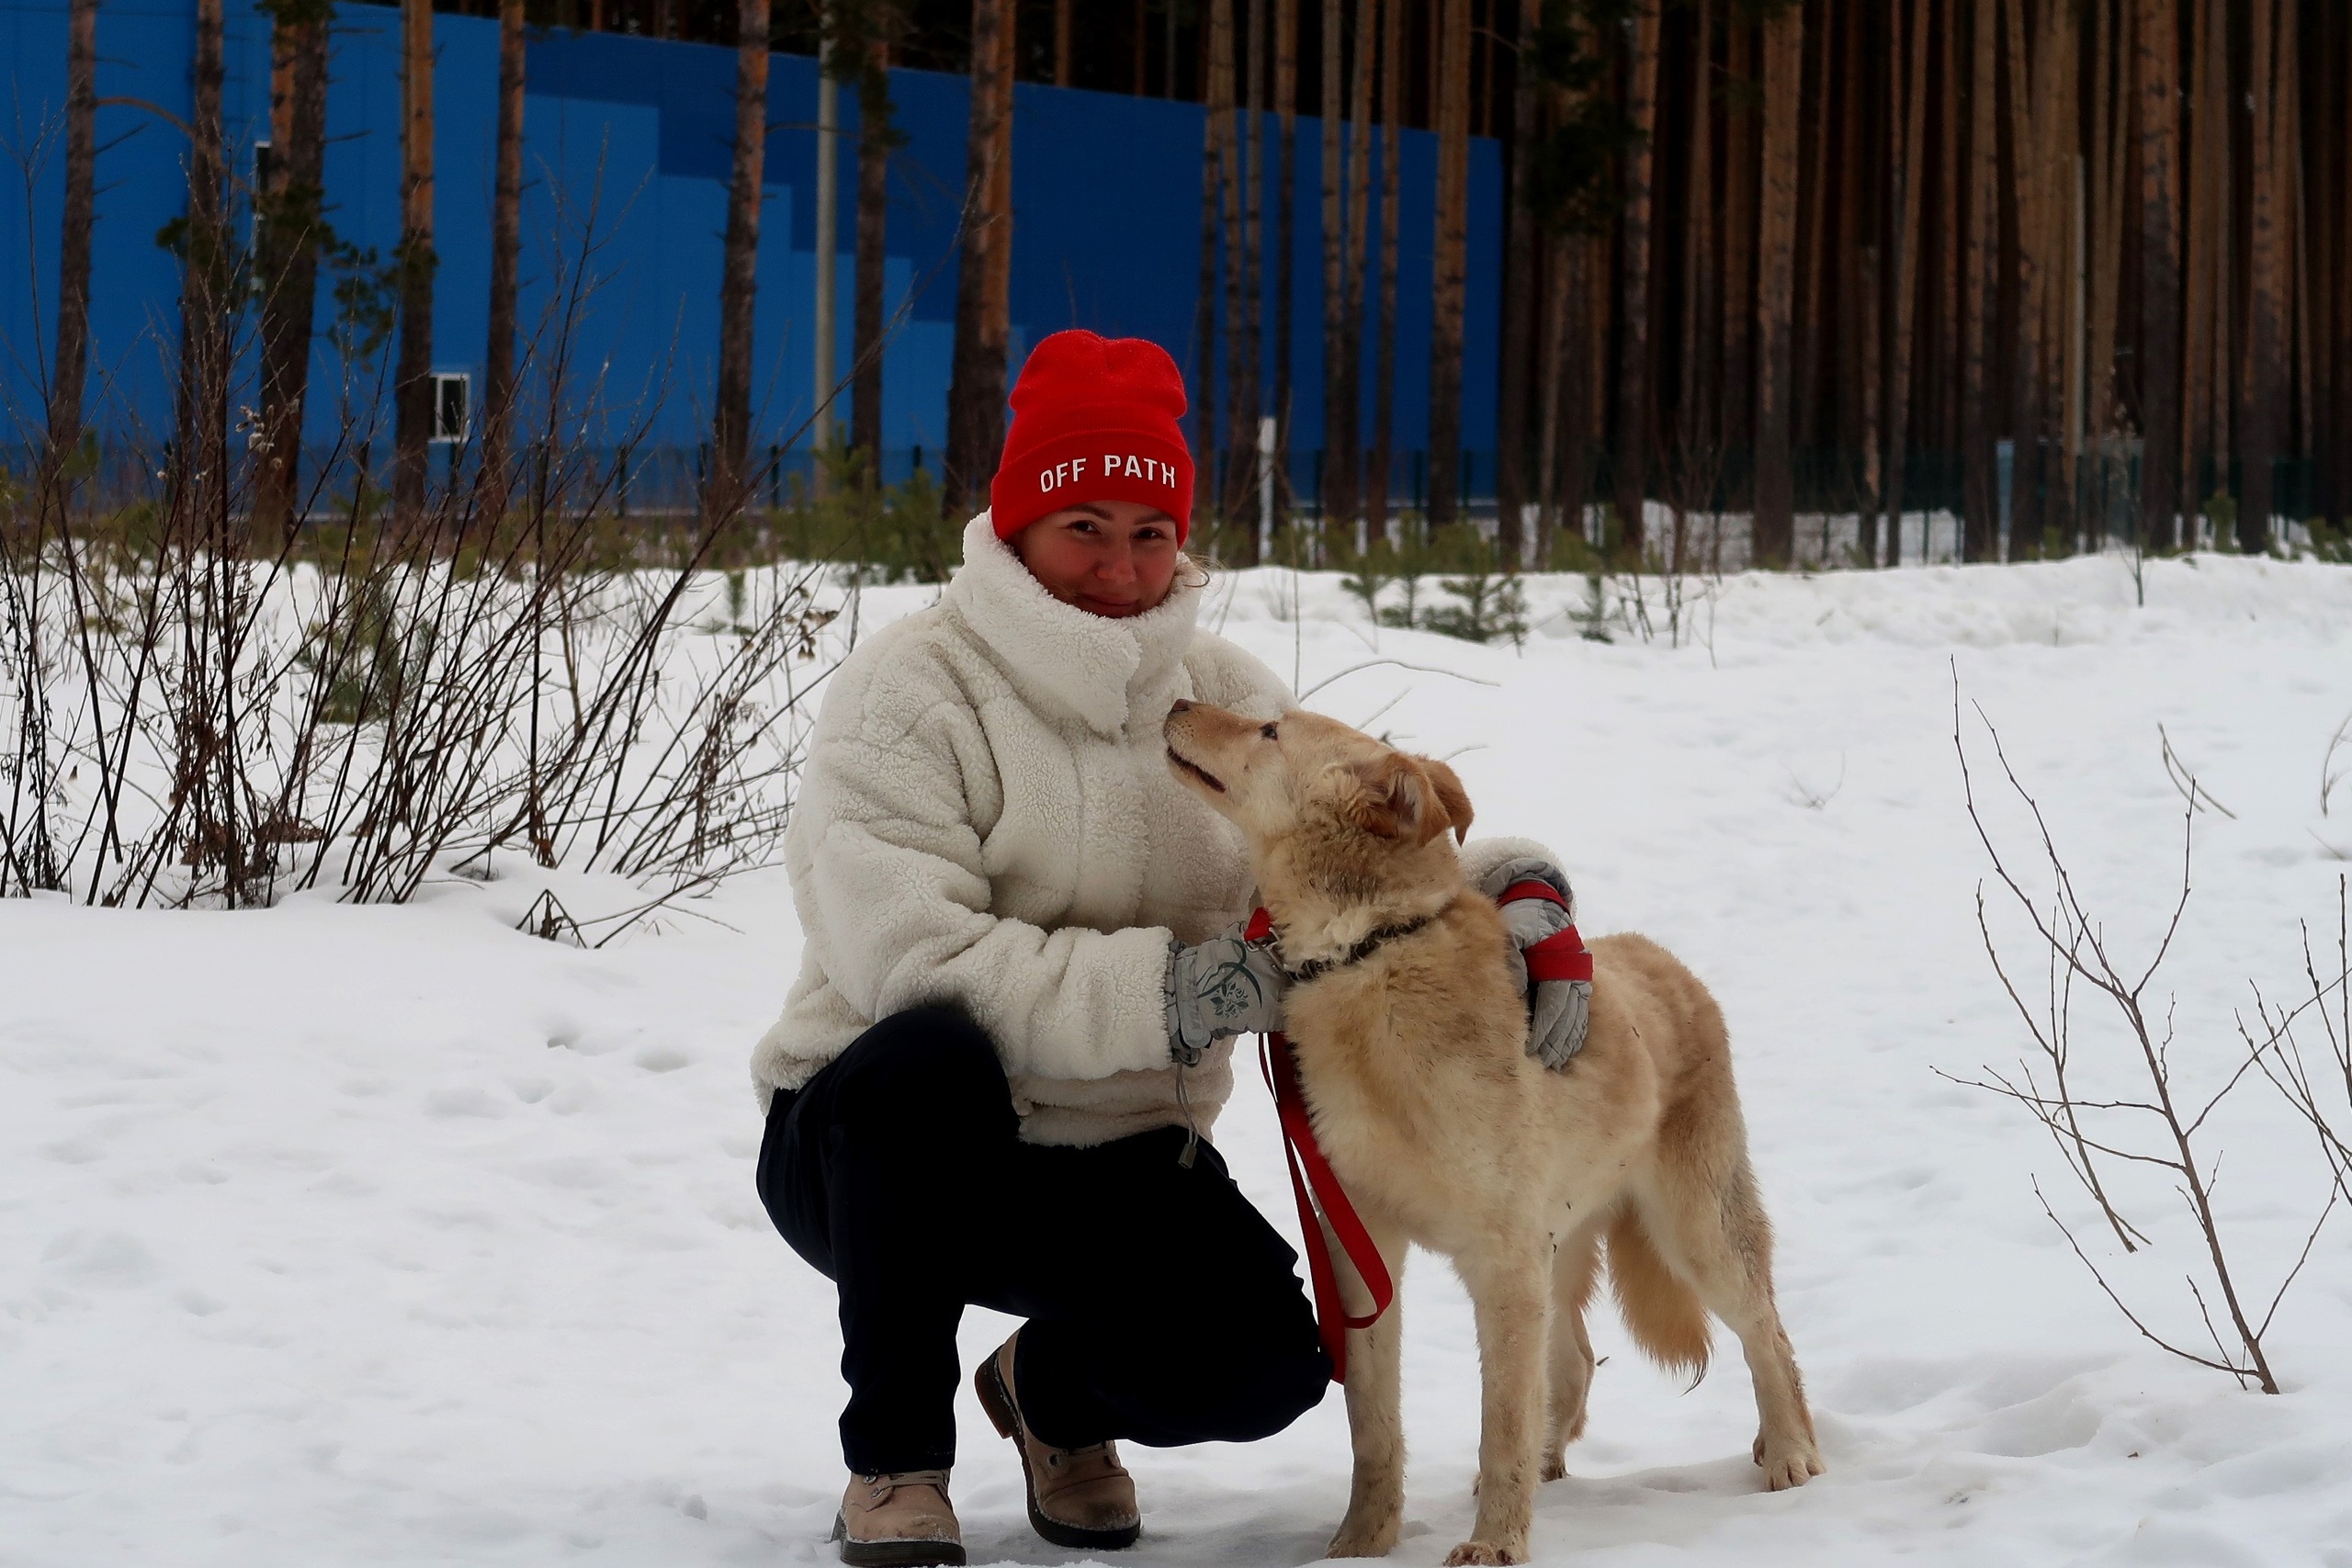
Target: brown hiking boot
898, 1521
1081, 1498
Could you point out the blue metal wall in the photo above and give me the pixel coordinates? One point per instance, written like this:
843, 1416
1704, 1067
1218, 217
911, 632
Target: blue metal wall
627, 154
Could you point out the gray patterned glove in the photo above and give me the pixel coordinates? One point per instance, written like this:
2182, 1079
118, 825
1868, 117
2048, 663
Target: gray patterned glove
1220, 987
1544, 944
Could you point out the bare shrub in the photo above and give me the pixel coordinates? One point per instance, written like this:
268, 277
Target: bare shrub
2321, 1094
2153, 1122
204, 709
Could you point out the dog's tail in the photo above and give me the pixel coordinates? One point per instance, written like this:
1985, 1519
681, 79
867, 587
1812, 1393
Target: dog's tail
1662, 1312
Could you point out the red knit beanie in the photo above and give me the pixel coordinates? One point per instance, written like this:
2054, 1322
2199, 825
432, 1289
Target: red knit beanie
1095, 419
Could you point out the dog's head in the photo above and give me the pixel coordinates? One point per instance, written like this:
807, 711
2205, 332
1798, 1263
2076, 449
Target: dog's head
1304, 772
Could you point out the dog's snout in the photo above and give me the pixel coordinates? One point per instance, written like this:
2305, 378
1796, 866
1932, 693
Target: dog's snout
1180, 705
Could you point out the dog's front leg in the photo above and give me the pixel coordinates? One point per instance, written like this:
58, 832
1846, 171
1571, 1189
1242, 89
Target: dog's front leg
1376, 1408
1508, 1292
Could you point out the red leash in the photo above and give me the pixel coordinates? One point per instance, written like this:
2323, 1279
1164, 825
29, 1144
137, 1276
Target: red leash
1308, 1169
1561, 956
1299, 1148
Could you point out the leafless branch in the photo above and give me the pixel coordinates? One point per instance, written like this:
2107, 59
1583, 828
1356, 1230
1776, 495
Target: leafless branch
2074, 946
2130, 1316
1814, 799
2185, 781
1400, 663
2330, 775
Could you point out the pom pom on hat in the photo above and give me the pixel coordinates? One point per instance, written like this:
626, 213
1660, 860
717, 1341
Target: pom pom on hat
1095, 419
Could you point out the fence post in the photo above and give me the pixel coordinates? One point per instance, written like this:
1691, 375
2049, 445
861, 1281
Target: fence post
1266, 429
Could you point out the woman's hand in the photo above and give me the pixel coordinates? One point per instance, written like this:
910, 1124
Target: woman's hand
1556, 972
1220, 987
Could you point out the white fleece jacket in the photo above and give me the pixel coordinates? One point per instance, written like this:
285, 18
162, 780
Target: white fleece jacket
986, 818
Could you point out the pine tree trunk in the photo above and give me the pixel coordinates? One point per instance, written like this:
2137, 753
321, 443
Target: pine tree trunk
1205, 489
1061, 42
1253, 166
1583, 394
1775, 476
2157, 56
2059, 125
1741, 174
1982, 540
1384, 398
1551, 374
1861, 306
1634, 380
287, 217
2302, 436
1349, 434
1339, 474
1240, 440
1449, 277
412, 377
2337, 201
983, 329
1910, 183
1518, 339
1867, 316
2109, 165
728, 474
203, 413
498, 378
1817, 257
2212, 233
1286, 254
995, 297
2027, 109
2197, 409
1206, 431
69, 370
1946, 371
1696, 426
2266, 347
875, 131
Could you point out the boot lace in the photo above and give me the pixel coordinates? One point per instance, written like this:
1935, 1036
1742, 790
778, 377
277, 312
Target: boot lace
879, 1489
1055, 1458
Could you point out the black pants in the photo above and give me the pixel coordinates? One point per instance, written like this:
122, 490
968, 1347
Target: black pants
1162, 1306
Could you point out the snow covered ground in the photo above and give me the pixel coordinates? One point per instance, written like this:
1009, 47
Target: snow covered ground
339, 1234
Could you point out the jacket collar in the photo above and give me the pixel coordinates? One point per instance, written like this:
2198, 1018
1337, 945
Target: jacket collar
1065, 661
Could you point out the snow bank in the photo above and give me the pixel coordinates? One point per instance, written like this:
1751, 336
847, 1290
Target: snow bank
393, 1235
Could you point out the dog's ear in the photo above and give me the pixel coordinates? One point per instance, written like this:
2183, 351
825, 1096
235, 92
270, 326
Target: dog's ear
1450, 796
1386, 796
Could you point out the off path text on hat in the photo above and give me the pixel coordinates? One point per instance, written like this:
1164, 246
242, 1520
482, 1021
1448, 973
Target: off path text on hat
1095, 419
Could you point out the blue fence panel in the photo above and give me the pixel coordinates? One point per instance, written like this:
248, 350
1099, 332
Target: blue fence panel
628, 144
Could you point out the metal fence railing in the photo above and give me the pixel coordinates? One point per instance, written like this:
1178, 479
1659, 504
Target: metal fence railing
657, 481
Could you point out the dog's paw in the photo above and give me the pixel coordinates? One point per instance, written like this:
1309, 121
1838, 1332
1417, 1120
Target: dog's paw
1788, 1465
1482, 1552
1554, 1468
1365, 1538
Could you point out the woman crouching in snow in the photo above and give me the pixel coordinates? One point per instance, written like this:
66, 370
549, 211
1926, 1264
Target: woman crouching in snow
1012, 915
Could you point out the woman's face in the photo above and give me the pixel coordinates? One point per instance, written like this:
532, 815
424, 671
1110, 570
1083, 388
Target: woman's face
1107, 557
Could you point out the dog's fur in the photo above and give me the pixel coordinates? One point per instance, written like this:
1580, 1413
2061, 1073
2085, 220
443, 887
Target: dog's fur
1447, 1133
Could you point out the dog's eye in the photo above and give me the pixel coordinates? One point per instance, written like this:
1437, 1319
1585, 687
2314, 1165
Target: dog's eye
1267, 730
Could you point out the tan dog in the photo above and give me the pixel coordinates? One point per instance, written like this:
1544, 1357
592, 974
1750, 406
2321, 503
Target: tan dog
1446, 1132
